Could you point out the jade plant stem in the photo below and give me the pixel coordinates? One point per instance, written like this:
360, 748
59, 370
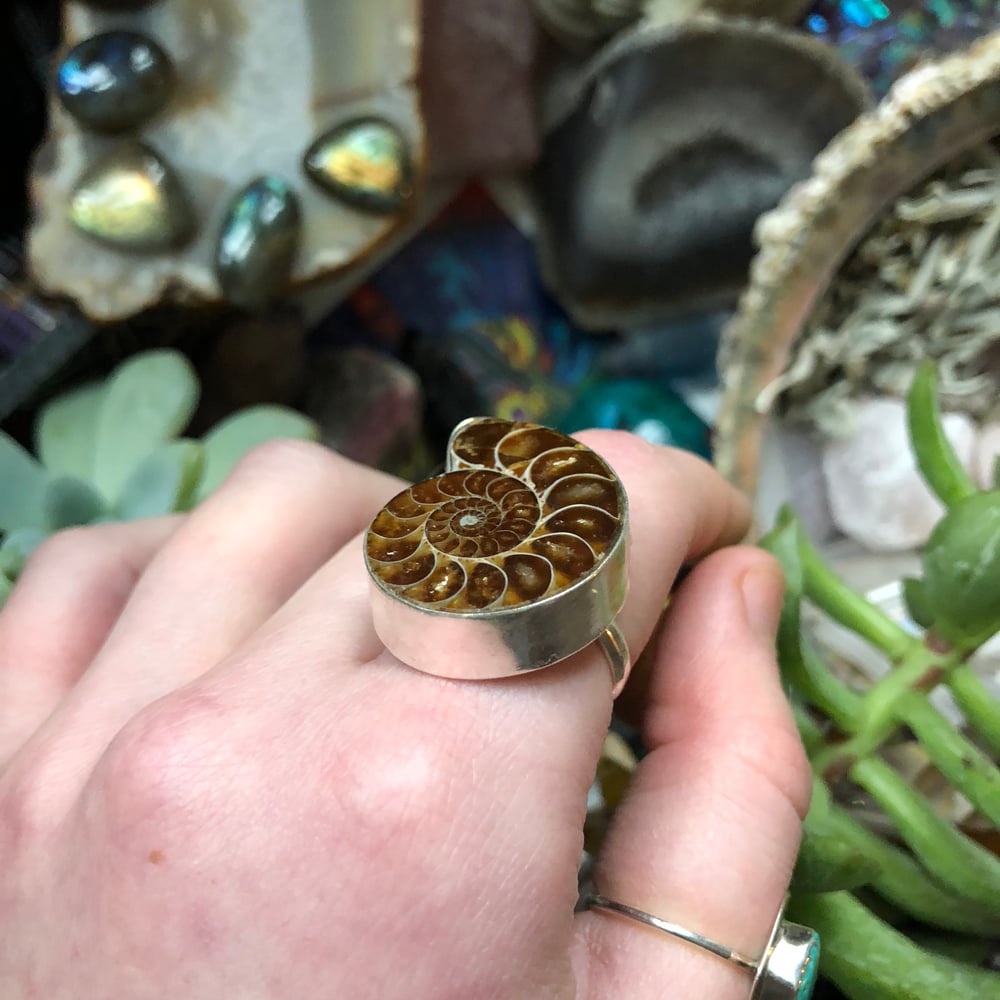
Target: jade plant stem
918, 668
958, 759
894, 702
936, 459
901, 879
977, 704
869, 960
805, 672
810, 733
950, 856
830, 594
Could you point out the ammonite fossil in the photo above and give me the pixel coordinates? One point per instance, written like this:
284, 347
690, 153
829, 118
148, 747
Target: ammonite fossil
512, 559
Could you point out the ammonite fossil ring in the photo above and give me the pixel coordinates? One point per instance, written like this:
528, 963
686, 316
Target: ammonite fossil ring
512, 559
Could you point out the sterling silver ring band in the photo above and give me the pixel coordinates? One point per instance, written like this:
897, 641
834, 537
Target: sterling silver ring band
786, 970
615, 650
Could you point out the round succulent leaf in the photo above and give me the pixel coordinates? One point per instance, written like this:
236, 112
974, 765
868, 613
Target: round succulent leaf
917, 604
66, 431
70, 501
16, 548
231, 439
962, 571
24, 481
149, 400
6, 587
163, 482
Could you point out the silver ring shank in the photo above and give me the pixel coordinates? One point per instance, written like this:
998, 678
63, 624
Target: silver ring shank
674, 930
616, 652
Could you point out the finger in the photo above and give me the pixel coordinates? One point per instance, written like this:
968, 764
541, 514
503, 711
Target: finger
485, 781
707, 834
679, 509
65, 603
531, 741
285, 509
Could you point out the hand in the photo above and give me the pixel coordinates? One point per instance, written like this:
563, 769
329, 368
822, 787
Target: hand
215, 782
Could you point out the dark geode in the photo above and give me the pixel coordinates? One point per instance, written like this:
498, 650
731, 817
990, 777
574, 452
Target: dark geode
660, 160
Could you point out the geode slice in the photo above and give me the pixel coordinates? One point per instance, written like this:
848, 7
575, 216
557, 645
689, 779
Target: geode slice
662, 155
932, 116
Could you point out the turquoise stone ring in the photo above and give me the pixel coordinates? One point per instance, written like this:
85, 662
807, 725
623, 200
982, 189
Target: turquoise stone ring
789, 967
787, 970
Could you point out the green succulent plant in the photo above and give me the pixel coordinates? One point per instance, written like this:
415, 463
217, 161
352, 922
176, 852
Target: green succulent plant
111, 451
942, 886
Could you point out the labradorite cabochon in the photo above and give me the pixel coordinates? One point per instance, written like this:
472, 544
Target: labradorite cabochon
365, 163
115, 81
258, 242
130, 199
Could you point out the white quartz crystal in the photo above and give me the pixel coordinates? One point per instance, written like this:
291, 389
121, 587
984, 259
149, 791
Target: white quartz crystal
987, 454
877, 496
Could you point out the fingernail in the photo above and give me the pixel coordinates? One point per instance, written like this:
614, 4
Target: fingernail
763, 592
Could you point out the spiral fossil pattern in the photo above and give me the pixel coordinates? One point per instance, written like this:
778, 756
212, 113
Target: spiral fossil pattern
522, 513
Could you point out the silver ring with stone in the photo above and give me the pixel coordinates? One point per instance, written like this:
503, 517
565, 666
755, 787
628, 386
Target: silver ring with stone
786, 970
510, 561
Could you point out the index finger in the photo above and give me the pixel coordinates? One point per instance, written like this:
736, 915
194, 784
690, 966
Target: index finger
680, 509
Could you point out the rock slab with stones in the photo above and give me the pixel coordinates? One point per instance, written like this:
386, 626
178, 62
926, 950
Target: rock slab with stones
987, 455
256, 83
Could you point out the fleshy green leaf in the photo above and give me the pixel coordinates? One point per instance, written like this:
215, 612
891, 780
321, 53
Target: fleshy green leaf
66, 431
802, 667
6, 586
783, 543
828, 864
827, 860
149, 399
915, 596
70, 501
962, 571
164, 482
866, 958
936, 459
958, 947
16, 549
230, 440
22, 487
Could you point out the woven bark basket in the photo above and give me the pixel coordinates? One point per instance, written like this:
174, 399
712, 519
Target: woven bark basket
932, 115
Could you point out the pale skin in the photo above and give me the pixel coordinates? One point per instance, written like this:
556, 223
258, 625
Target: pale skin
215, 782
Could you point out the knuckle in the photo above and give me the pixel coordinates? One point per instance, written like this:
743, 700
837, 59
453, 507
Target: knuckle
400, 786
614, 442
64, 550
163, 763
779, 763
282, 458
24, 813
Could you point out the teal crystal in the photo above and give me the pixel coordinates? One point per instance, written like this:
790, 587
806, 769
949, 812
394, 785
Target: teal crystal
648, 408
